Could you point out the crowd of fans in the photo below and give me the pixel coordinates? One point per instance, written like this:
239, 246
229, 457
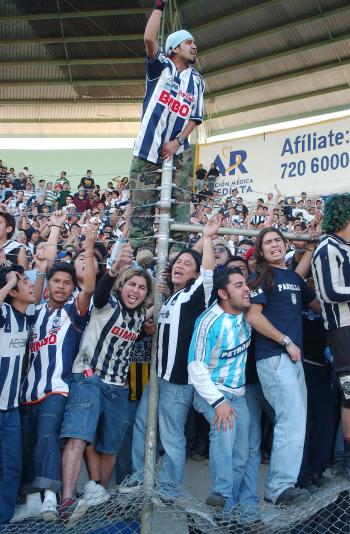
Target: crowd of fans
71, 284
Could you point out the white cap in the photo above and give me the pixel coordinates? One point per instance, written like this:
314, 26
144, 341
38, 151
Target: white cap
176, 38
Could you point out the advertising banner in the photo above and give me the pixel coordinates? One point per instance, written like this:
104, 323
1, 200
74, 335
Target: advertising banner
313, 158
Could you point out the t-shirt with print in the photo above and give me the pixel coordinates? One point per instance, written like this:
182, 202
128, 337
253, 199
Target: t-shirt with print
282, 306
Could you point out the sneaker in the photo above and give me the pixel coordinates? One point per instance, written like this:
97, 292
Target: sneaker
27, 510
49, 510
216, 500
130, 487
95, 494
71, 510
293, 496
23, 511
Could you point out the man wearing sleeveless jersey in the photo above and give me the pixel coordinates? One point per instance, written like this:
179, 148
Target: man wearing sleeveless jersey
216, 368
172, 108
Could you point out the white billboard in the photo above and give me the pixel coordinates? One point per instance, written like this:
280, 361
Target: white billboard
313, 158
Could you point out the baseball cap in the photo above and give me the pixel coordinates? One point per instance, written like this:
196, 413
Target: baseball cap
176, 38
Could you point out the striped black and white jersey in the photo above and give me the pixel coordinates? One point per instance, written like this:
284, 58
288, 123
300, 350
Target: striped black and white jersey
14, 333
53, 346
175, 327
12, 249
107, 341
331, 272
257, 219
172, 99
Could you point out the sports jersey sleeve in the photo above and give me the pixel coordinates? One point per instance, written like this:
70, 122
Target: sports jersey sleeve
208, 284
155, 66
198, 109
78, 321
258, 296
202, 342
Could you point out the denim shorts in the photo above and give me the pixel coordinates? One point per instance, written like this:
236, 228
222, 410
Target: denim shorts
96, 408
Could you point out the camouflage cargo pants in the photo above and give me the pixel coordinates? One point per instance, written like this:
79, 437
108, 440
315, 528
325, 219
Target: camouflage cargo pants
143, 181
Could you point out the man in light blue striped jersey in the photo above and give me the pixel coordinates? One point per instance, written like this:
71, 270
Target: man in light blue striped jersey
217, 360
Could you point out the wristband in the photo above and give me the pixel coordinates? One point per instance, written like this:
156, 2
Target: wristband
56, 225
159, 5
112, 274
40, 273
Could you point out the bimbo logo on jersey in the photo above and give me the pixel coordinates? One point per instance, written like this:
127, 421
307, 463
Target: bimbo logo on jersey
175, 105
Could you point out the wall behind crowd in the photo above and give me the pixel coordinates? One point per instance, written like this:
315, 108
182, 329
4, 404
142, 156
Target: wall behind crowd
47, 164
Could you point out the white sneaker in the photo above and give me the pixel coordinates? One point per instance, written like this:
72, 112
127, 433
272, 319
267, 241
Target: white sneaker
95, 494
49, 510
24, 511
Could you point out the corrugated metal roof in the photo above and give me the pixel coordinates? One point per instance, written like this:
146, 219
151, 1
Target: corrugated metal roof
281, 58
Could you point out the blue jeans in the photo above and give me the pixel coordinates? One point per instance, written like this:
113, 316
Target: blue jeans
284, 387
123, 464
96, 408
41, 424
174, 402
228, 450
10, 462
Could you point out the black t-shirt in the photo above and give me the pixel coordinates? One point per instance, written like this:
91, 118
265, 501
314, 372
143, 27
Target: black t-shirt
283, 308
201, 173
315, 338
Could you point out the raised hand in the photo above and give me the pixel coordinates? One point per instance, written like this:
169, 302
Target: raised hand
58, 218
12, 278
211, 227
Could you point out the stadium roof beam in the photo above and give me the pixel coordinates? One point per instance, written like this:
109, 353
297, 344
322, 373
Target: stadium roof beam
277, 55
210, 95
74, 39
140, 60
69, 102
76, 14
278, 120
74, 62
65, 121
280, 78
247, 38
225, 113
276, 102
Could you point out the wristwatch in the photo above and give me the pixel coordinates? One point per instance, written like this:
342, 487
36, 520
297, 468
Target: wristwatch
286, 341
180, 139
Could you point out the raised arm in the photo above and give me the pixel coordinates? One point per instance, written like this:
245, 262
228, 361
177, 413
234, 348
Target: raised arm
83, 299
209, 233
11, 282
56, 221
152, 29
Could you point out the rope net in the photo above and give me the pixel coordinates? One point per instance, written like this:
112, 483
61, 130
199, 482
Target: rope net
326, 512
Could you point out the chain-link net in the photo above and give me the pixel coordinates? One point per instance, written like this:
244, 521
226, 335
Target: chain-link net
326, 512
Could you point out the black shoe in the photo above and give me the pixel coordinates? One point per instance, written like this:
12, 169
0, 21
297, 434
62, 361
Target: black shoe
320, 480
292, 496
216, 500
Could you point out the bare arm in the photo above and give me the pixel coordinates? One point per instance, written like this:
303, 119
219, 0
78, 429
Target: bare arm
209, 233
11, 282
83, 299
22, 258
170, 148
151, 31
57, 219
262, 325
